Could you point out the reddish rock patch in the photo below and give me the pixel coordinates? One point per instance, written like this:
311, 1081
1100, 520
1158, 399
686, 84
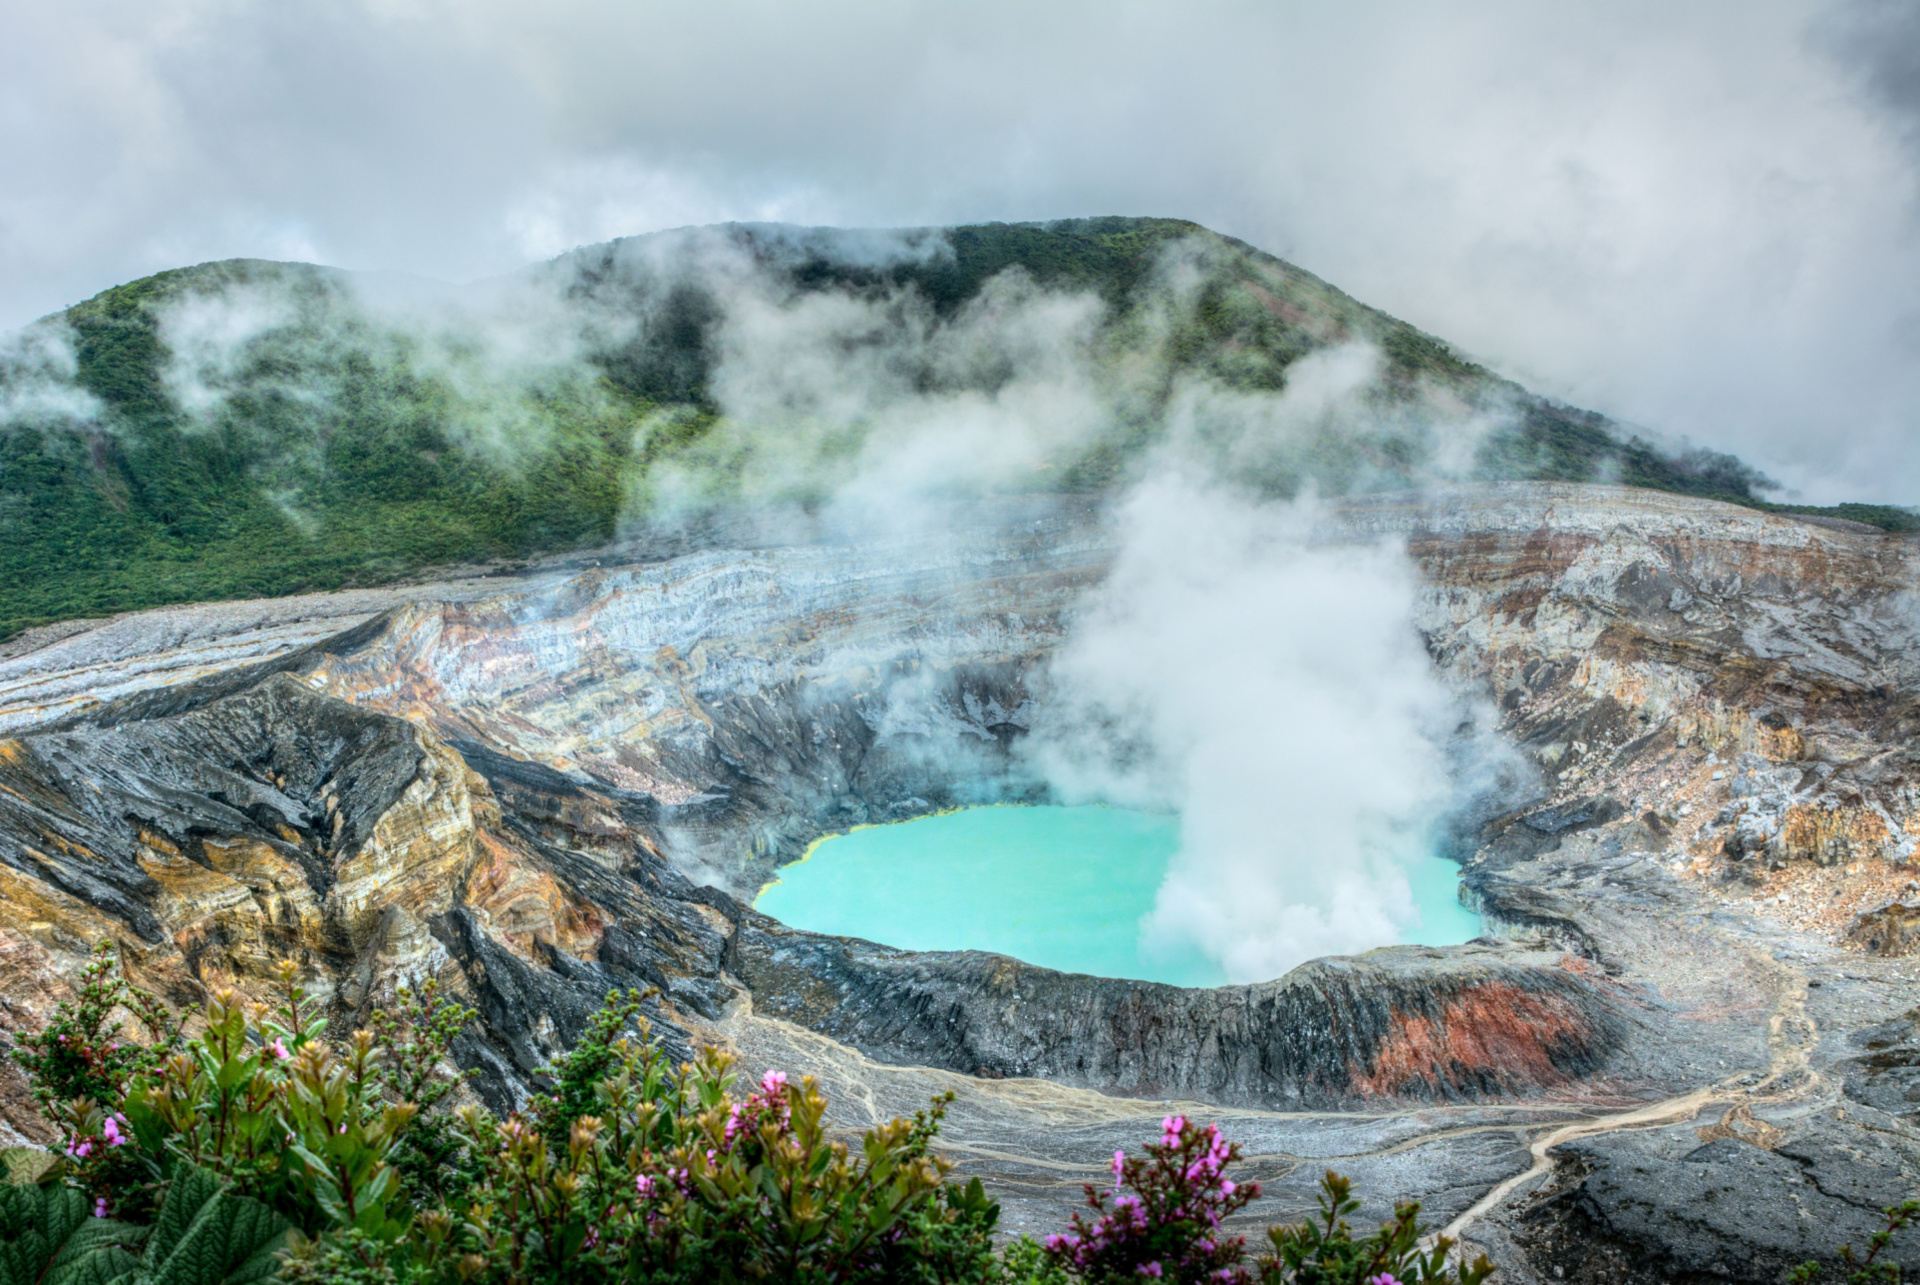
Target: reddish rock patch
1491, 1033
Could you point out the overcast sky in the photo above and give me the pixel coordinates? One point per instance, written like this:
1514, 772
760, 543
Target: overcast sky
1702, 218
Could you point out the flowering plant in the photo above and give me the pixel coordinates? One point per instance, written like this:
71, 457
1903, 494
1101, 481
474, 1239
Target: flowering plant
1166, 1223
628, 1169
86, 1051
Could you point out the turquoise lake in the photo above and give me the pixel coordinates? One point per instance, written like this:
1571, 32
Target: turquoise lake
1063, 887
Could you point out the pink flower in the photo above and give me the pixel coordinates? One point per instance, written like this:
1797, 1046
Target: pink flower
279, 1049
773, 1082
644, 1185
100, 1207
1119, 1163
1149, 1269
1384, 1278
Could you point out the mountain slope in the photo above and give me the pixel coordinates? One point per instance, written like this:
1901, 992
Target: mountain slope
248, 428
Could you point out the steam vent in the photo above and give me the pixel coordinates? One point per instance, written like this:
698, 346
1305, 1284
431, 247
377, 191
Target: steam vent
1685, 1049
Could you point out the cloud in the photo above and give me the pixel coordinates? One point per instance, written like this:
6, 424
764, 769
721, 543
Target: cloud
1880, 41
1698, 217
866, 400
37, 385
584, 202
486, 364
209, 336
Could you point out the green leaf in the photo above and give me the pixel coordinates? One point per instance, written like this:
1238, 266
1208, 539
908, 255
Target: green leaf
189, 1192
26, 1165
49, 1236
106, 1261
211, 1237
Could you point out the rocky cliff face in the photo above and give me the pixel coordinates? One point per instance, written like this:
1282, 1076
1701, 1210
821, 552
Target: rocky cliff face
1742, 686
539, 787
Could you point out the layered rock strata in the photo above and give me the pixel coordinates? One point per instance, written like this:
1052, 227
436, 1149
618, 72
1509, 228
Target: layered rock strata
539, 787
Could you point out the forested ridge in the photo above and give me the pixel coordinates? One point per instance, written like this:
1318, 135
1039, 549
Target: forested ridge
248, 428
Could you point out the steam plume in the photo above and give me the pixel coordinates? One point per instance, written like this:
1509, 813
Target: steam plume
1273, 691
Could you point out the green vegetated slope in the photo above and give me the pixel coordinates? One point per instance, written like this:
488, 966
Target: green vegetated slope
248, 428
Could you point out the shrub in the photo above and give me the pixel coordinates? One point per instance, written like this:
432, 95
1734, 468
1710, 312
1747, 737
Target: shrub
261, 1148
1166, 1225
675, 1181
85, 1051
1324, 1251
1869, 1270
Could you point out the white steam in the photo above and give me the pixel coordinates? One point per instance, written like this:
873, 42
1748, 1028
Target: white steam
1267, 686
496, 356
38, 379
881, 404
1272, 690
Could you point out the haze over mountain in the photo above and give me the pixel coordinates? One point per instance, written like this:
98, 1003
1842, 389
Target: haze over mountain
1698, 218
248, 428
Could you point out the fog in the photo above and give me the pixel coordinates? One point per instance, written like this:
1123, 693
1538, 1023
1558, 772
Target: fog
37, 384
1698, 218
875, 405
1239, 666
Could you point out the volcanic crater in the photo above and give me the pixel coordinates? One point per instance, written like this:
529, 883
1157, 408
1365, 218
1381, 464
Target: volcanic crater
1688, 1037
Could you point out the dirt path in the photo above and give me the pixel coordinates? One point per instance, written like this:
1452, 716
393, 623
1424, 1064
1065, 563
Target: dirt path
1790, 1038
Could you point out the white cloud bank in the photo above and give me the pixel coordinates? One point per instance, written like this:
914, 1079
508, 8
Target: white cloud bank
1700, 218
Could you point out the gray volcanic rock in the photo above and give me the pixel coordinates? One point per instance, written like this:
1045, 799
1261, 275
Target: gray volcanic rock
540, 787
1478, 1022
1728, 1210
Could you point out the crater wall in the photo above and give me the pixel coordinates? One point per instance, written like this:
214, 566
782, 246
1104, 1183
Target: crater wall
540, 787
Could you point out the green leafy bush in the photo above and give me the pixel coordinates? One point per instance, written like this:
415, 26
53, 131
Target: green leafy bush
261, 1148
1324, 1251
203, 1235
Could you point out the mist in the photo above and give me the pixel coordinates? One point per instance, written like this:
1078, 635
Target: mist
492, 354
1238, 667
1270, 688
870, 405
1696, 218
37, 384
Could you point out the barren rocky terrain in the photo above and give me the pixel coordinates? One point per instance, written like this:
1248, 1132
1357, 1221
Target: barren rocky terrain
1686, 1050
